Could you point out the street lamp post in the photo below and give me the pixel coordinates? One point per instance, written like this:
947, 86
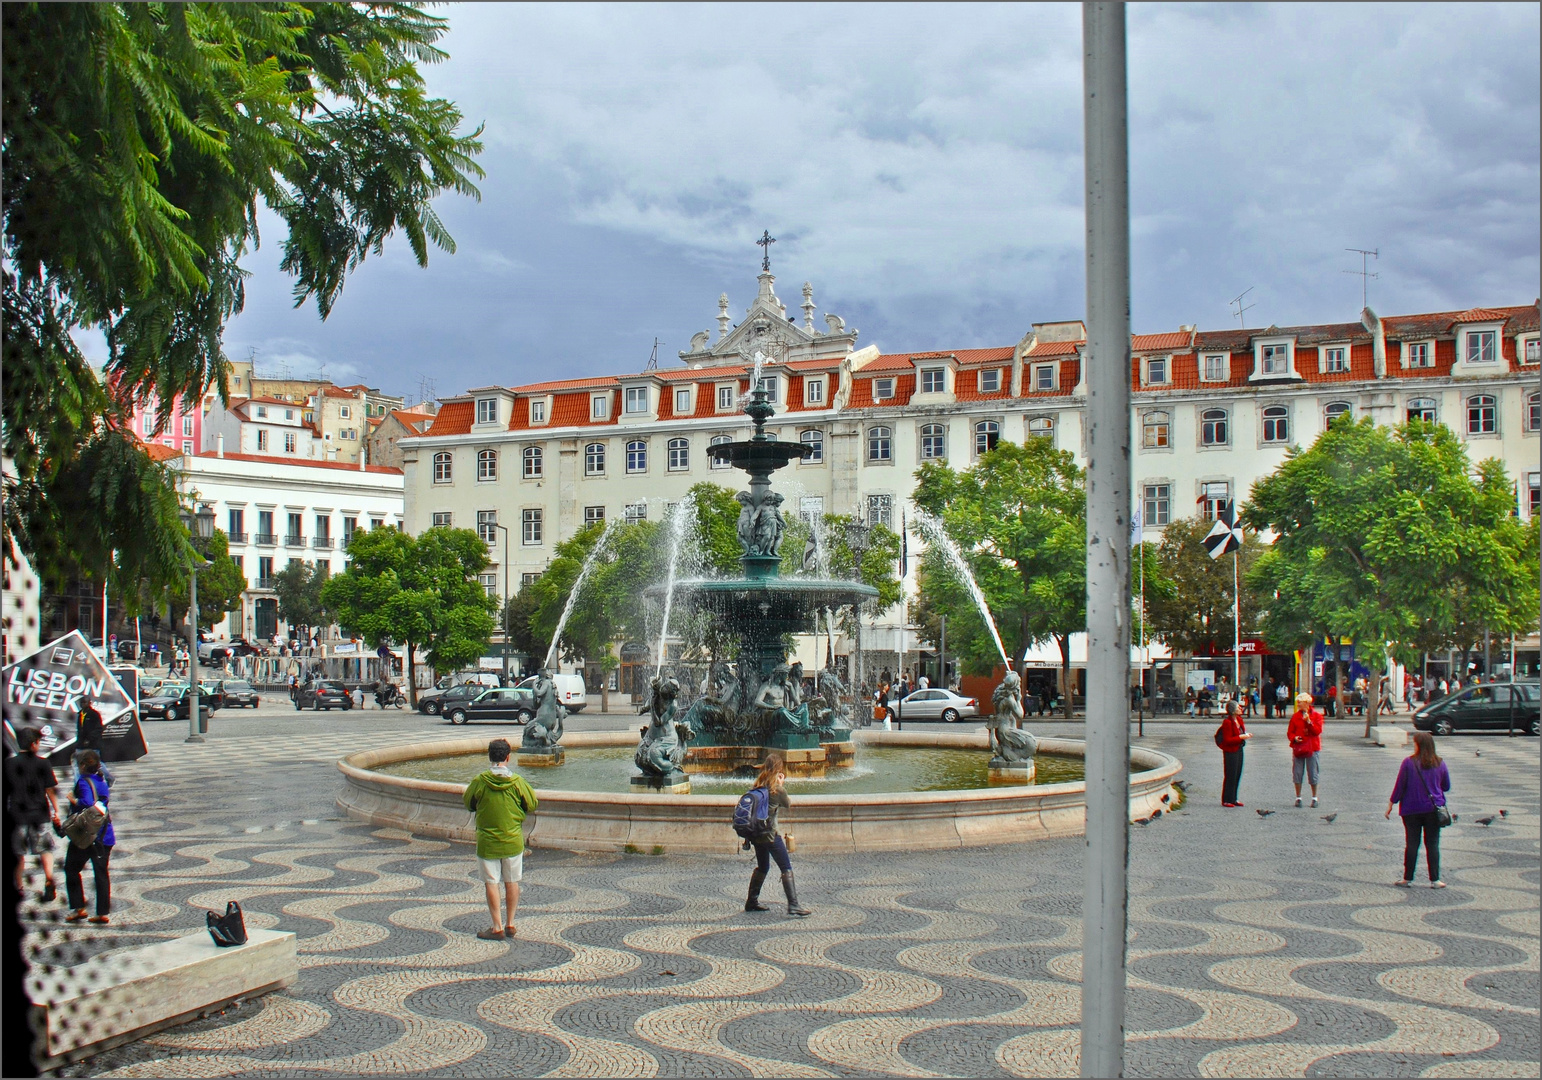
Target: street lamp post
859, 538
504, 614
200, 526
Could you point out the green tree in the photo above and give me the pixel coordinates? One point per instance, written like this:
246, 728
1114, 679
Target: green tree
299, 587
420, 591
602, 612
138, 141
1019, 516
1384, 536
220, 585
1191, 608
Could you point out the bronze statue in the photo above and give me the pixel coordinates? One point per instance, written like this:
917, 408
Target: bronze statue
775, 696
544, 730
662, 749
1012, 746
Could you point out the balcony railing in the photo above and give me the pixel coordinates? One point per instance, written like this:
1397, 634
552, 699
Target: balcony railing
237, 537
294, 540
322, 543
264, 583
267, 539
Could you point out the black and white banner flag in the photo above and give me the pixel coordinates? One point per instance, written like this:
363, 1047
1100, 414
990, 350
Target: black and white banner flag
1227, 533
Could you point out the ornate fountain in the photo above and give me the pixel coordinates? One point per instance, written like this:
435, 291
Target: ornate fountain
757, 703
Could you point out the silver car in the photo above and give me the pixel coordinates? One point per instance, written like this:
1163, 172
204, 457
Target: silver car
935, 704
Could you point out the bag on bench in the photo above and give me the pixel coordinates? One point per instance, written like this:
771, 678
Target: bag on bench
229, 929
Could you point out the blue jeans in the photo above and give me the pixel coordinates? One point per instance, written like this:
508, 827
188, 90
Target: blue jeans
776, 849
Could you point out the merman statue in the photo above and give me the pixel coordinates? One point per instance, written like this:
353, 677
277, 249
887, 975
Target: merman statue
544, 730
776, 696
662, 749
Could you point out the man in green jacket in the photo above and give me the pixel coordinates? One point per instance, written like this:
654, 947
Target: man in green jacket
500, 801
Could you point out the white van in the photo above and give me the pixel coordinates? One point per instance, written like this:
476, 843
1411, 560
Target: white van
570, 690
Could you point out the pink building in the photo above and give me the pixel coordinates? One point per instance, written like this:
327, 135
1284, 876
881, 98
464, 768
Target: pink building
184, 431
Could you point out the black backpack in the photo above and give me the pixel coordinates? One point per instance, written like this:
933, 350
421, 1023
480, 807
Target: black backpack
751, 816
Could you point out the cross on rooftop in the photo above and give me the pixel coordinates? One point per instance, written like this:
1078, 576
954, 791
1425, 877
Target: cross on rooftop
765, 241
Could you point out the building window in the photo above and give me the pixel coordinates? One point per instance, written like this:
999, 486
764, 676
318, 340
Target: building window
442, 467
1044, 377
1158, 500
990, 381
487, 525
636, 512
1534, 412
288, 414
487, 465
636, 399
237, 526
344, 412
379, 523
149, 423
1335, 361
811, 508
1156, 431
637, 457
768, 385
1212, 427
265, 571
1276, 424
880, 444
351, 526
883, 389
262, 412
934, 380
1482, 418
528, 579
187, 446
594, 459
725, 398
1418, 355
534, 463
594, 515
682, 402
987, 433
290, 442
1482, 347
813, 441
1041, 427
1156, 371
489, 583
1422, 408
599, 407
1213, 498
187, 425
1335, 409
678, 454
530, 527
487, 410
934, 442
1215, 368
296, 537
442, 519
1276, 359
717, 461
880, 510
1531, 351
814, 391
1535, 494
538, 412
265, 527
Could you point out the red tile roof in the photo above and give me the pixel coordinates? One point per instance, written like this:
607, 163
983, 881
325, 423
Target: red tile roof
1158, 342
454, 418
1478, 314
594, 382
309, 463
1055, 348
721, 373
159, 452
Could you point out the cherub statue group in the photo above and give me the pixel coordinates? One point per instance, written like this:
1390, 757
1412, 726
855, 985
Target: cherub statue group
761, 524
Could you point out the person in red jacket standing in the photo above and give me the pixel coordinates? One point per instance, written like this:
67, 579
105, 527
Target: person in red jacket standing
1231, 737
1305, 735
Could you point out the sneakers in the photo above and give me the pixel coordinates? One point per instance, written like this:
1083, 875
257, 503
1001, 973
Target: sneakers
100, 920
1298, 802
1437, 884
1314, 802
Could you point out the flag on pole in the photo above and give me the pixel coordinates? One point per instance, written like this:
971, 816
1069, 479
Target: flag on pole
810, 553
1137, 533
1226, 535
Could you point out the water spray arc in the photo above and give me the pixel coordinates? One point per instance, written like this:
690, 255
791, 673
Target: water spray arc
578, 587
937, 534
680, 522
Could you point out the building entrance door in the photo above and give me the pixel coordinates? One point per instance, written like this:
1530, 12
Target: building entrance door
265, 618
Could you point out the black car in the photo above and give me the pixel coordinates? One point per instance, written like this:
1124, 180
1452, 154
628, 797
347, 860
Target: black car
1487, 706
323, 696
509, 703
239, 692
434, 702
171, 703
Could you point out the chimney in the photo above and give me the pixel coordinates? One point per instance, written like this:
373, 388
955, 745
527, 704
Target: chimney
219, 445
363, 458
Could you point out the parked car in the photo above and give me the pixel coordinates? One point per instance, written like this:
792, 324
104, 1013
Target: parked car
323, 695
239, 692
484, 680
571, 691
170, 702
214, 690
150, 685
1486, 707
506, 703
444, 699
935, 704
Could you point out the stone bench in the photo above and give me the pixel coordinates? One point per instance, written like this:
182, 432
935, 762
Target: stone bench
99, 1004
1387, 735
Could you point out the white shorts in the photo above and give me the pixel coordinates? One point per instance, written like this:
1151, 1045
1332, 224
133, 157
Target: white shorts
507, 871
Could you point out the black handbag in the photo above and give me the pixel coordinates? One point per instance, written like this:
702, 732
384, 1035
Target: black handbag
1443, 816
228, 929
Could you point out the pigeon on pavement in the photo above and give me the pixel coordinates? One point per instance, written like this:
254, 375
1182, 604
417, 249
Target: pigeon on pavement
1504, 813
1263, 813
1485, 820
1329, 817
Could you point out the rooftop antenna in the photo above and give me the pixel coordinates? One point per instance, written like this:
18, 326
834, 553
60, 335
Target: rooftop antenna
1243, 309
1364, 272
653, 361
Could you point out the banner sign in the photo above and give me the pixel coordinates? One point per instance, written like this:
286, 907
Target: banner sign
49, 687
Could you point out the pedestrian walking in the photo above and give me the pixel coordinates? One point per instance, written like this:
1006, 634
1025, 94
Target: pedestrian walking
1231, 737
90, 790
33, 805
1281, 697
1270, 688
501, 801
1305, 735
88, 731
769, 796
1420, 796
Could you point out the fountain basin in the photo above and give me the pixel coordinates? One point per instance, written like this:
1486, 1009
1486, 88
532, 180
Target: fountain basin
699, 824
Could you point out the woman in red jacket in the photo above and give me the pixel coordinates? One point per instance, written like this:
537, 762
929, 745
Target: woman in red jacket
1305, 735
1231, 737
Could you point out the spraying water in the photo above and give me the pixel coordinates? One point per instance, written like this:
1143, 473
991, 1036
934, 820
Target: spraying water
578, 587
679, 525
760, 360
936, 533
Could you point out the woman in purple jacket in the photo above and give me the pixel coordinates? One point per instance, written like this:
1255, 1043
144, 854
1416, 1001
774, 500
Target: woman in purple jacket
1422, 783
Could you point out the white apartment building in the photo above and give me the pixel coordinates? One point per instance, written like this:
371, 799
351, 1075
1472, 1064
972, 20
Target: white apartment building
1212, 412
278, 510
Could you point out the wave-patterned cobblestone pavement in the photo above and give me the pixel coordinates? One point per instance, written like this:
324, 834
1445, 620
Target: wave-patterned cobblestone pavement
1259, 946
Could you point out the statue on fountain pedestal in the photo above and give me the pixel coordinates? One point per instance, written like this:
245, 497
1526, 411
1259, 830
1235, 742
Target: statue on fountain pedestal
779, 699
761, 524
1012, 747
662, 749
544, 730
833, 720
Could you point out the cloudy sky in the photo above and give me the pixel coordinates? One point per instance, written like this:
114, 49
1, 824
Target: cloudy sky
921, 166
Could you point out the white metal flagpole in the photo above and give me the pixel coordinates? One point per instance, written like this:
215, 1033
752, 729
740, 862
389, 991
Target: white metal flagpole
1236, 623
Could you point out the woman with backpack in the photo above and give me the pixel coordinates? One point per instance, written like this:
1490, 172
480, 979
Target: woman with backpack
90, 790
755, 820
1231, 737
1420, 796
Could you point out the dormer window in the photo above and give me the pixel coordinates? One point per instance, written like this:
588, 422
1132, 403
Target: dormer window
934, 380
1335, 360
768, 384
1482, 346
599, 407
1531, 351
636, 400
683, 402
813, 391
487, 410
883, 389
1213, 367
990, 381
1044, 377
1156, 371
538, 411
1275, 360
725, 397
